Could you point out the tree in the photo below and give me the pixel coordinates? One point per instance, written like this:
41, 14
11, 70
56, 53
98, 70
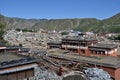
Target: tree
1, 31
2, 27
18, 29
20, 45
64, 33
117, 38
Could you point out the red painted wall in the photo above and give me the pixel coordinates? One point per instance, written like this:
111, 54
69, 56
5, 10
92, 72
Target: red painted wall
117, 74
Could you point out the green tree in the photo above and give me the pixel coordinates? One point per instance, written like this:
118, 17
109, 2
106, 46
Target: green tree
117, 38
2, 27
18, 29
1, 31
64, 33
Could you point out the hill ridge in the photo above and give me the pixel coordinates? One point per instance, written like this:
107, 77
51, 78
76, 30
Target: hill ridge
111, 24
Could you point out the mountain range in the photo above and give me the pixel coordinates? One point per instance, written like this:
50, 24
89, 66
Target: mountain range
111, 24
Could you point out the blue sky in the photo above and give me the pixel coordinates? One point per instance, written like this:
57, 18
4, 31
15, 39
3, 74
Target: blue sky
57, 9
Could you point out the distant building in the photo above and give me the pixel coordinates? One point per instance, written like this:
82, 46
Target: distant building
88, 47
73, 33
103, 49
2, 47
13, 48
54, 45
77, 45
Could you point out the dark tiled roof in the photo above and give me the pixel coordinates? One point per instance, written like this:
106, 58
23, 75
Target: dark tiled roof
12, 59
53, 42
24, 49
109, 46
13, 47
40, 52
79, 39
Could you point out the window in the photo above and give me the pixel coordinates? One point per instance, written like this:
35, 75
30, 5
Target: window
83, 51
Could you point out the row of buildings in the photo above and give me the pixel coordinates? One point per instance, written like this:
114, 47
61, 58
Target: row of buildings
87, 47
91, 52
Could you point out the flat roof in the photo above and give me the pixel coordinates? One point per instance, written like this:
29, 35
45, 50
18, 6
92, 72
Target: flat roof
108, 61
13, 59
10, 57
110, 46
79, 39
55, 42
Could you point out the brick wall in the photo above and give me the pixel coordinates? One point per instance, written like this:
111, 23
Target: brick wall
117, 74
111, 71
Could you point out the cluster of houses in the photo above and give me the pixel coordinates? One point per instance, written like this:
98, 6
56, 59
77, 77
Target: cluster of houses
85, 46
14, 66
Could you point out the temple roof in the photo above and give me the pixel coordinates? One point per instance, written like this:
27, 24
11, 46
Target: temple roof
13, 59
79, 39
108, 46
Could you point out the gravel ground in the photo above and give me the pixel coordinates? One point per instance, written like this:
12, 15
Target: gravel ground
74, 77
